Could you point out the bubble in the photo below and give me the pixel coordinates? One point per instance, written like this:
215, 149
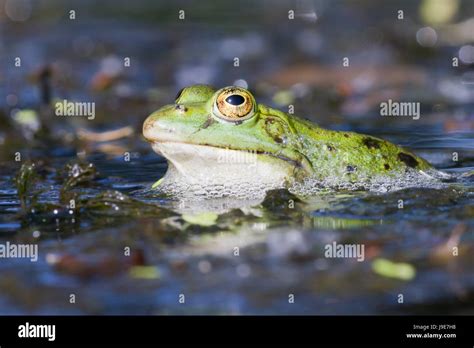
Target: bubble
426, 37
204, 266
12, 100
124, 90
300, 90
241, 83
282, 244
52, 258
18, 10
466, 54
111, 66
243, 270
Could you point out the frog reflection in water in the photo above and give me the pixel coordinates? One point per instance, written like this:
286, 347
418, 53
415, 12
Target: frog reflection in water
225, 141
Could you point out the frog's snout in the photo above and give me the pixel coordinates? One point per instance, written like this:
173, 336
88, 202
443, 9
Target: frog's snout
148, 128
157, 126
152, 127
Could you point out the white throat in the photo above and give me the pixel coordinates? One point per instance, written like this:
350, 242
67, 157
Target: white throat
211, 169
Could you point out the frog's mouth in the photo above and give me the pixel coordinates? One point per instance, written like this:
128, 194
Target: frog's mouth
158, 145
211, 165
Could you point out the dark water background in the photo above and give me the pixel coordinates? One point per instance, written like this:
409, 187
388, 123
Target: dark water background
281, 250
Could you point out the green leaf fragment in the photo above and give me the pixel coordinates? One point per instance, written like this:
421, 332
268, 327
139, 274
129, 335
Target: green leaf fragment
284, 97
144, 272
156, 184
397, 270
203, 219
27, 117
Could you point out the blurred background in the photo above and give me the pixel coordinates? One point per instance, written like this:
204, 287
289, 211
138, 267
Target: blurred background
399, 50
130, 58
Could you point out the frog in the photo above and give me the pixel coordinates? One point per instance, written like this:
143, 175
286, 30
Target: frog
224, 141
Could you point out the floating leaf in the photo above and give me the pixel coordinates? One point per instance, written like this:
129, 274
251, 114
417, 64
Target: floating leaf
27, 119
283, 97
203, 219
438, 11
390, 269
144, 272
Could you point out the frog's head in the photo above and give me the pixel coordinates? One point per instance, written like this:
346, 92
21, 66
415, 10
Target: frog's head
224, 137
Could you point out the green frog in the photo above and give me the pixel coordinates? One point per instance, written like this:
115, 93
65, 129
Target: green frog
224, 142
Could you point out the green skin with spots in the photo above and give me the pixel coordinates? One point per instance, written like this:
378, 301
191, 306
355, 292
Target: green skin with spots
312, 151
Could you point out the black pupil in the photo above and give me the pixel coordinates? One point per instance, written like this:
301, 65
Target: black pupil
235, 99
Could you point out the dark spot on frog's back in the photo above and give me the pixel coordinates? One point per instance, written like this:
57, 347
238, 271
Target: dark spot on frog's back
181, 108
409, 160
351, 169
371, 143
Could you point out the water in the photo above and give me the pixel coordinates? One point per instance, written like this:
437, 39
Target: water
127, 250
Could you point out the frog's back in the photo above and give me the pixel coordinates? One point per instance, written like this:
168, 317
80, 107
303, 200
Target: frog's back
352, 155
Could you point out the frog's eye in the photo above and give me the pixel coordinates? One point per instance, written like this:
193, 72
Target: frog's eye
234, 104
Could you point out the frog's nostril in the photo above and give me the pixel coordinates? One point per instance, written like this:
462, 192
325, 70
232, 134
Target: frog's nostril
181, 108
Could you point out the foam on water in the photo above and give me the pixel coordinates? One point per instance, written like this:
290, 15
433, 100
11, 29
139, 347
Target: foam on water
379, 184
208, 190
310, 186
